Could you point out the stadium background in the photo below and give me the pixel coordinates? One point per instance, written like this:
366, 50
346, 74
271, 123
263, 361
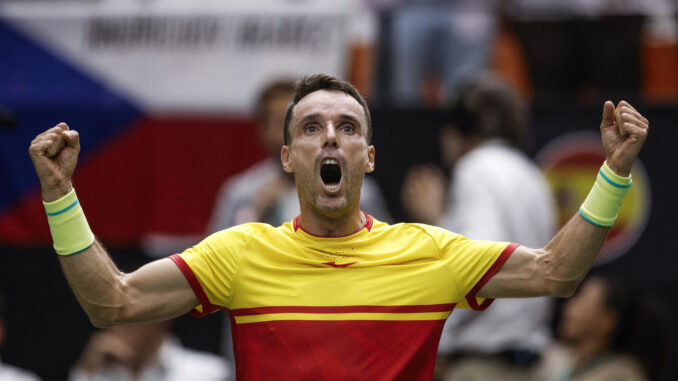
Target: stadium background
165, 120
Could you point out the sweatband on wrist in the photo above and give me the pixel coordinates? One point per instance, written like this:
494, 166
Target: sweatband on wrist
70, 231
601, 205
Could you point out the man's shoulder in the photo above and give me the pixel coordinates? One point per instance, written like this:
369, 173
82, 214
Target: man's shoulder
246, 229
410, 229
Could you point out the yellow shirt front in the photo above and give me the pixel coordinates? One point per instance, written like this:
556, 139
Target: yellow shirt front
304, 305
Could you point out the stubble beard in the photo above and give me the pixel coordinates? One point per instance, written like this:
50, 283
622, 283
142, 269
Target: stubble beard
333, 208
329, 206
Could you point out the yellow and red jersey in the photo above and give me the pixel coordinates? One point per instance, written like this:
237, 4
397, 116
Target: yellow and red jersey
370, 305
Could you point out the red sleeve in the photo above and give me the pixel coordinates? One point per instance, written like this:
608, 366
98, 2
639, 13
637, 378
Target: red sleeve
207, 307
471, 296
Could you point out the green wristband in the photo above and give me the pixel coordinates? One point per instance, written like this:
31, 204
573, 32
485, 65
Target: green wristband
601, 205
70, 231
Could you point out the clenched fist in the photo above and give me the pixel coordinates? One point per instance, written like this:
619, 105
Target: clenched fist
54, 154
623, 131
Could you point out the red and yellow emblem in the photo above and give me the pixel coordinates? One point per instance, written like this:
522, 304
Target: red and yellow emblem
570, 163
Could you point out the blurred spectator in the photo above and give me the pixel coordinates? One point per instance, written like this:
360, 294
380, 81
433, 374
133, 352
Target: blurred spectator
144, 352
436, 45
608, 332
496, 193
563, 41
255, 194
8, 372
362, 45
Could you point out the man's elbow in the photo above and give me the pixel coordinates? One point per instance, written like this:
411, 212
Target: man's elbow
105, 318
551, 280
115, 311
563, 288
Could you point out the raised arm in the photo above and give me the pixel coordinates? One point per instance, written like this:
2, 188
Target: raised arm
558, 268
156, 291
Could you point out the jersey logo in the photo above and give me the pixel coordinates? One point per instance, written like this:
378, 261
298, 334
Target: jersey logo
333, 264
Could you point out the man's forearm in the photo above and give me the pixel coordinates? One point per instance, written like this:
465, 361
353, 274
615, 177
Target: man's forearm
157, 291
558, 268
96, 283
554, 270
568, 257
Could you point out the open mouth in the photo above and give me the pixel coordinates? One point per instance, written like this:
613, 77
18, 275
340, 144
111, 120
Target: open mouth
330, 173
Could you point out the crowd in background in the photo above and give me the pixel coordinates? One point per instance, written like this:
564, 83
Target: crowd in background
549, 49
484, 63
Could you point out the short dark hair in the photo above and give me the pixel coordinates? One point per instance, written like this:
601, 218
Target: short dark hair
488, 107
269, 92
316, 82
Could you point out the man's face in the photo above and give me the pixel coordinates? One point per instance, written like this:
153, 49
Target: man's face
328, 153
585, 315
271, 129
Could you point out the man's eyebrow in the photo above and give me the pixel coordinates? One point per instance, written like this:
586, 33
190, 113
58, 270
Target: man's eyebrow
309, 118
349, 117
317, 117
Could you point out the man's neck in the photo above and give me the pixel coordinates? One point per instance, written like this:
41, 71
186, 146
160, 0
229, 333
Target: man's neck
322, 225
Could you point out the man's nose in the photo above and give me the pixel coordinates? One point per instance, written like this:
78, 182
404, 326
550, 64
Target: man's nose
330, 135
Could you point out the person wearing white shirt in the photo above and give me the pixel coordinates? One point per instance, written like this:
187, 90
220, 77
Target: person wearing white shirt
496, 193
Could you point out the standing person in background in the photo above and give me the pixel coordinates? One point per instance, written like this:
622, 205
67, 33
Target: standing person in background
496, 193
437, 45
256, 194
8, 372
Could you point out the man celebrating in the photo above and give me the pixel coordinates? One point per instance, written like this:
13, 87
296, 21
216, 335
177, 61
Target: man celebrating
334, 293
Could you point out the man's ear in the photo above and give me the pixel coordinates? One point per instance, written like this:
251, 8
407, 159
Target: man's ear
285, 159
369, 167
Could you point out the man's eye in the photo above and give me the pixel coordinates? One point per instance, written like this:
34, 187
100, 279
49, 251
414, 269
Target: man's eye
348, 128
311, 128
